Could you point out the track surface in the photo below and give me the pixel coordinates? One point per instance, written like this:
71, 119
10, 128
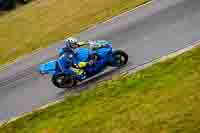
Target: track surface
151, 31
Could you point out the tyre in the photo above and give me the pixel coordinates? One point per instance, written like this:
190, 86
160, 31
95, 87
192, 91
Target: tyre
7, 4
120, 58
63, 81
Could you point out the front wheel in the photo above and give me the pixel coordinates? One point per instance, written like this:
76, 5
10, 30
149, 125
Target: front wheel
120, 58
63, 81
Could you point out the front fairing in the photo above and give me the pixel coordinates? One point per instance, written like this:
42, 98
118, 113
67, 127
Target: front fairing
61, 65
48, 68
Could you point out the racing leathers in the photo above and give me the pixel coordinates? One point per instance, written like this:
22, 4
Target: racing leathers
81, 66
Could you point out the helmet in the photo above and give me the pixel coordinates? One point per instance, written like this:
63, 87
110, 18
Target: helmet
73, 42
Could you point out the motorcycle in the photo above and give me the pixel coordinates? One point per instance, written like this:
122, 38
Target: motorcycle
63, 68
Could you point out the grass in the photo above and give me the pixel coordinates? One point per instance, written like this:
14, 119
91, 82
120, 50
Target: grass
164, 98
43, 22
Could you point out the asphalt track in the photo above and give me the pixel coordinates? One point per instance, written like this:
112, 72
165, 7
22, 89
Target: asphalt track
149, 32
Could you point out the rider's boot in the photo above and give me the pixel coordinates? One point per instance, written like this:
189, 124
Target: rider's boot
80, 73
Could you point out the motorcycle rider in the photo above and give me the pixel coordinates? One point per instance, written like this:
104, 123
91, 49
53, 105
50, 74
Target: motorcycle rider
71, 44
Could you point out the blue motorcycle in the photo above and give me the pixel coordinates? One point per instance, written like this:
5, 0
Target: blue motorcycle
63, 69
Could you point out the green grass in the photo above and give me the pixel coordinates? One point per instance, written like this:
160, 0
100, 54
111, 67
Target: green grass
43, 22
164, 98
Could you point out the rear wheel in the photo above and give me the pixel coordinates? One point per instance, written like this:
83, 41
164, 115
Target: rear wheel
63, 81
120, 58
